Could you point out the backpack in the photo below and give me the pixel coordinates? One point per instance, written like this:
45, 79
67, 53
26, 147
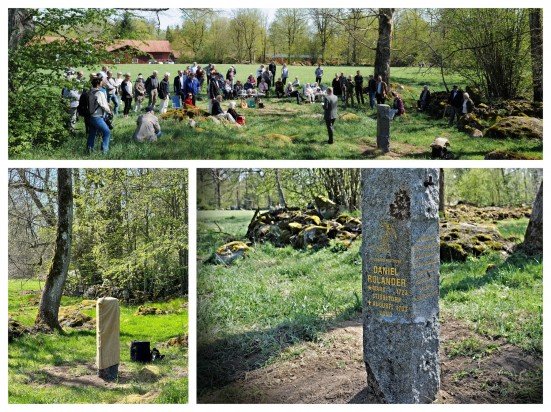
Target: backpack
87, 104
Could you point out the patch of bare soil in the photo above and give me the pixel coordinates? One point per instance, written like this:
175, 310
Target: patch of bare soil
83, 375
397, 151
332, 370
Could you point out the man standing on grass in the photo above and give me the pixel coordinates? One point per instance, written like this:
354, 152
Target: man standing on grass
164, 92
455, 101
330, 103
178, 86
273, 69
359, 85
151, 88
372, 90
319, 74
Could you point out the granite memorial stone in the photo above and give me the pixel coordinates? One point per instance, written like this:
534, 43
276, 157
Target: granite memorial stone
401, 268
107, 338
383, 127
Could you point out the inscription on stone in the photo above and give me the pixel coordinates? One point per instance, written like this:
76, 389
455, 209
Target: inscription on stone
401, 267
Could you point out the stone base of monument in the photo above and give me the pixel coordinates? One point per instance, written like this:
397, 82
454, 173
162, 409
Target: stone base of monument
402, 366
109, 374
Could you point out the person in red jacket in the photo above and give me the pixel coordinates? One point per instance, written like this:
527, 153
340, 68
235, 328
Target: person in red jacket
397, 107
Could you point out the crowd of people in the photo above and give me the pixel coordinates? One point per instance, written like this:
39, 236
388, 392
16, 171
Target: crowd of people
109, 93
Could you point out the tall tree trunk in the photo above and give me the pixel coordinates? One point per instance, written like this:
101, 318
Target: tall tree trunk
382, 54
441, 202
279, 190
533, 239
55, 282
20, 25
536, 48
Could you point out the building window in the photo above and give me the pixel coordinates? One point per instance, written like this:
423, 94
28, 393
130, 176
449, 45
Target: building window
135, 60
117, 60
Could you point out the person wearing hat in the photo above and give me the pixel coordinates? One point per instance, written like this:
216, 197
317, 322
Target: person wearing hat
139, 93
148, 128
126, 94
455, 101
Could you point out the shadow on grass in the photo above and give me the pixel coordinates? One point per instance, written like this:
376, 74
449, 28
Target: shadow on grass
518, 261
230, 358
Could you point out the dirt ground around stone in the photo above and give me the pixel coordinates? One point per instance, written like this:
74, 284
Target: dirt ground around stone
332, 370
85, 376
397, 151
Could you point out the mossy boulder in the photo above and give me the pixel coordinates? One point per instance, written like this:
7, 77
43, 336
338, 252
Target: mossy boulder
179, 341
312, 236
349, 117
16, 329
460, 240
77, 320
470, 121
475, 94
295, 227
452, 252
507, 155
473, 132
326, 207
313, 219
517, 127
229, 252
148, 310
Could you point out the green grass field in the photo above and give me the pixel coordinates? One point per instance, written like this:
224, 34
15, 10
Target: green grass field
35, 360
249, 312
285, 130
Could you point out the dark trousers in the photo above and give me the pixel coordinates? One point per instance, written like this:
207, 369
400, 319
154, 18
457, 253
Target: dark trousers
380, 98
127, 105
359, 95
372, 99
330, 123
455, 114
296, 94
318, 80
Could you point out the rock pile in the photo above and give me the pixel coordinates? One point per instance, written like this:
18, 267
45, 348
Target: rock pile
458, 239
316, 227
305, 228
505, 119
473, 214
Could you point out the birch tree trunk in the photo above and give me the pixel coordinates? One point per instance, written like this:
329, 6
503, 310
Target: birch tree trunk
53, 289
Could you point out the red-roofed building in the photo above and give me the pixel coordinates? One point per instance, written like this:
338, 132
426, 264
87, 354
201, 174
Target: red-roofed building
141, 51
135, 51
